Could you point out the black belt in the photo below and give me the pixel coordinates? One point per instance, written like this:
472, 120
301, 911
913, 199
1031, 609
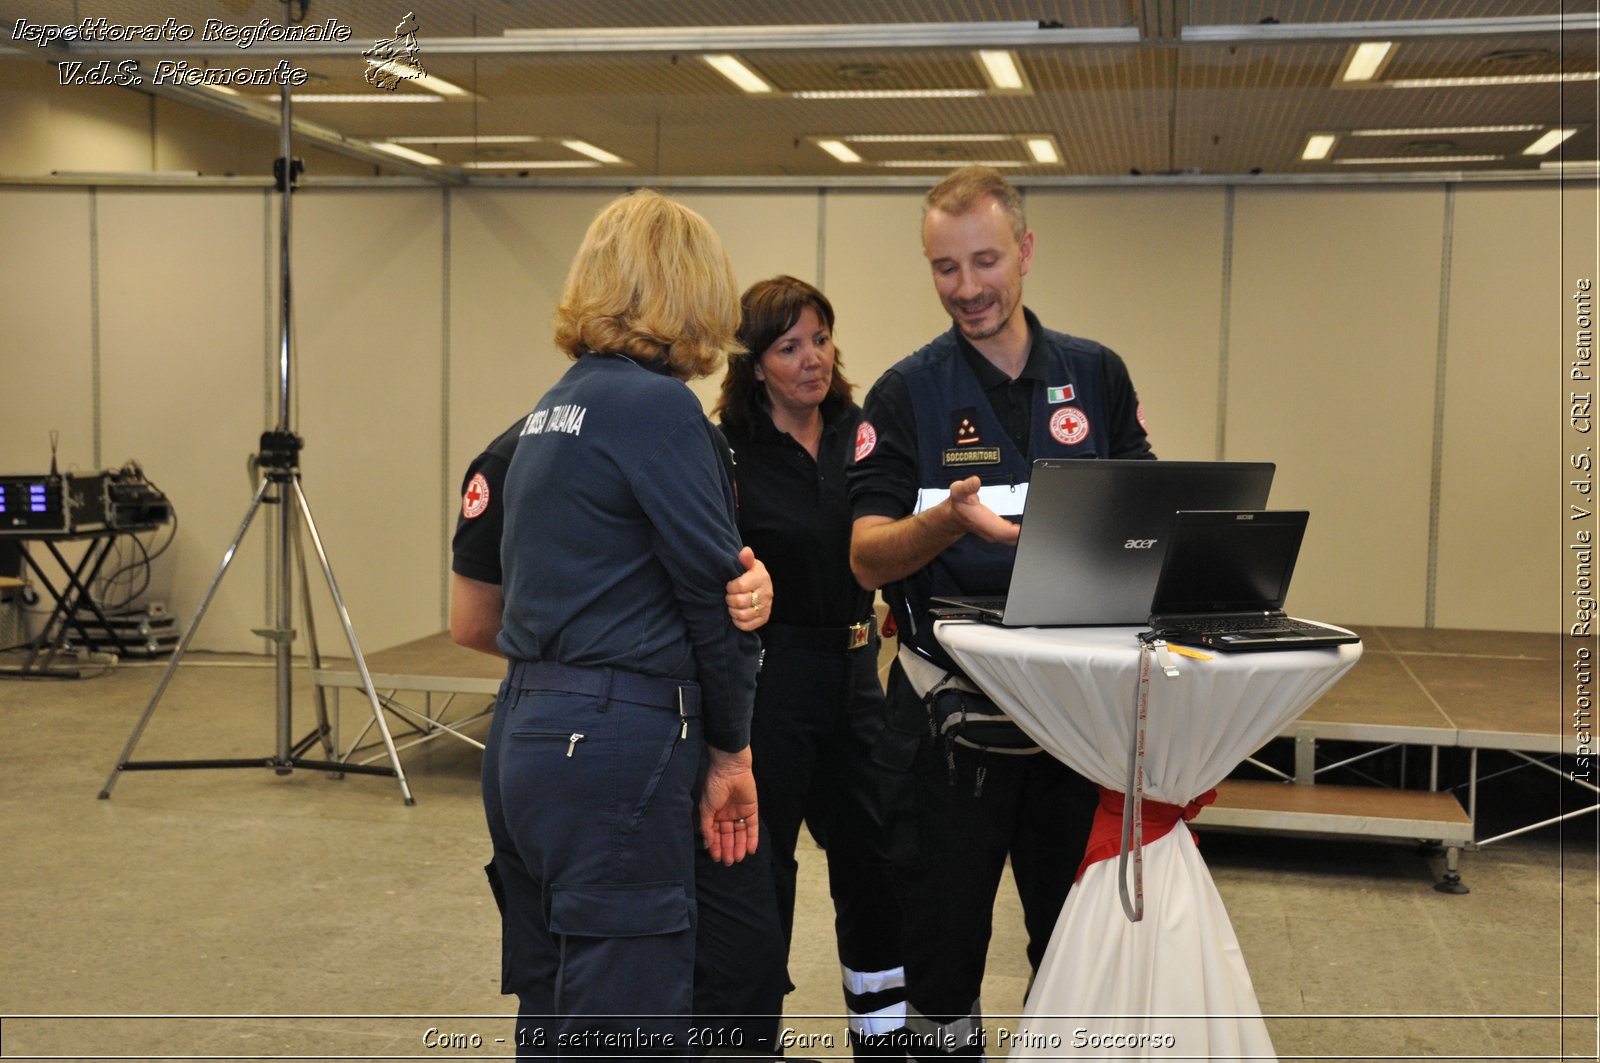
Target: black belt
611, 683
823, 639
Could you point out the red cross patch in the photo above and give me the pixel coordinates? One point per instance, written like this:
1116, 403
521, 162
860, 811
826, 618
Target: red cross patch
1069, 426
476, 500
866, 440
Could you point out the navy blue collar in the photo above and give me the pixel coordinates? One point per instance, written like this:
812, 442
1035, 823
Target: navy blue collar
658, 366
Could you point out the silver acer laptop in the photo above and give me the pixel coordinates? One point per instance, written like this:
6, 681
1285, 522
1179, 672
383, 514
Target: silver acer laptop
1224, 582
1094, 533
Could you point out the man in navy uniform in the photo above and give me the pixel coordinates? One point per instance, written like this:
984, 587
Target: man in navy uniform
948, 437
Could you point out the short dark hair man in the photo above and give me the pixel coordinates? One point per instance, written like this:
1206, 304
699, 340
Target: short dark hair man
946, 435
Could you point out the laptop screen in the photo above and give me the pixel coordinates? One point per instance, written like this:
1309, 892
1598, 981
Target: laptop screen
1229, 562
1091, 545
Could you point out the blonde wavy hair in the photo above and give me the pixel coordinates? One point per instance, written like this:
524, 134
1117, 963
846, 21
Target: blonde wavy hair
652, 281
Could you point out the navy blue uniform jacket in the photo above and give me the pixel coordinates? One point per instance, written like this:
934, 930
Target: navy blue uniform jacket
620, 538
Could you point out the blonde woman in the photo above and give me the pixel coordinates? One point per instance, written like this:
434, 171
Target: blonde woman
626, 671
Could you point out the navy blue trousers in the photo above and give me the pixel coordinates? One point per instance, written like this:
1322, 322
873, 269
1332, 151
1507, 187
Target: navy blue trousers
589, 798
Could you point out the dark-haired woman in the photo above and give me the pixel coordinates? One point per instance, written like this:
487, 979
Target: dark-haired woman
786, 411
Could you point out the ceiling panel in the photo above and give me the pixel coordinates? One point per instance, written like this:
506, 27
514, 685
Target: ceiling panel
1161, 103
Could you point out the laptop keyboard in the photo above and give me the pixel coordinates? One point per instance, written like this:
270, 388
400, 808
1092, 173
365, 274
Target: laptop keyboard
998, 604
1264, 626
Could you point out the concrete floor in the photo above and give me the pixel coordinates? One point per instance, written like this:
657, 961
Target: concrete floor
243, 915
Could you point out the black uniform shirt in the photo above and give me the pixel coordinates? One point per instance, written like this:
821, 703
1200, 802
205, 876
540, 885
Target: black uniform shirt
888, 485
794, 512
475, 550
1011, 400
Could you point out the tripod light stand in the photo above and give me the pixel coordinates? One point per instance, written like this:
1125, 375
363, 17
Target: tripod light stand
279, 460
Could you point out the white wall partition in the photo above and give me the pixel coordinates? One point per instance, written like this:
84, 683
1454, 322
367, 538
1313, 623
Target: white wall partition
1395, 349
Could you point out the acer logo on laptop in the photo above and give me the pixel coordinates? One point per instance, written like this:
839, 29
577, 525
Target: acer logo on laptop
1138, 544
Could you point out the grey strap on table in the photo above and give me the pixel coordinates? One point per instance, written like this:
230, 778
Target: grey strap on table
1133, 796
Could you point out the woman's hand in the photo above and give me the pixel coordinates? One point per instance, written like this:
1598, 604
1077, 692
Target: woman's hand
750, 596
728, 820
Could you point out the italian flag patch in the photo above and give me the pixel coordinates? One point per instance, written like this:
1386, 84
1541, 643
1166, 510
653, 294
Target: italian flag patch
1055, 395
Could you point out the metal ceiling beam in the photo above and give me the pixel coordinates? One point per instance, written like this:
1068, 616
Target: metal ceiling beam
665, 39
1584, 179
1018, 34
248, 110
921, 182
1396, 29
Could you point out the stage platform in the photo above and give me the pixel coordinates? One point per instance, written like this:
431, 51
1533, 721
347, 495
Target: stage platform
457, 688
1431, 688
1421, 690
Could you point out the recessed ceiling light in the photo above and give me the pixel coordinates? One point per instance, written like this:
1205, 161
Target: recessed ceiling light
1365, 60
1430, 159
360, 97
1549, 142
498, 138
1041, 146
409, 154
1002, 70
1493, 80
583, 147
441, 86
1443, 130
735, 71
427, 81
534, 164
889, 94
942, 164
839, 150
1318, 145
924, 138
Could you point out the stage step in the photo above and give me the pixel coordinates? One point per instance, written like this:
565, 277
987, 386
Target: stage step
1356, 810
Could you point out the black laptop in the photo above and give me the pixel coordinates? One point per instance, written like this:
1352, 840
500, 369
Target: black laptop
1224, 580
1093, 532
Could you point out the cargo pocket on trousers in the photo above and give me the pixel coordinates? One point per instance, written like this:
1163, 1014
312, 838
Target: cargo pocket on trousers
641, 909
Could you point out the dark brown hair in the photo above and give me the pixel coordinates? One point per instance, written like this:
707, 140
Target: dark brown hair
767, 310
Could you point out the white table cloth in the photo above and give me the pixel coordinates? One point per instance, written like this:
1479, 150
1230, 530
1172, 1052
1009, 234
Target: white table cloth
1173, 985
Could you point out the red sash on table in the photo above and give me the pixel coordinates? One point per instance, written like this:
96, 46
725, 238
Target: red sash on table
1105, 837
